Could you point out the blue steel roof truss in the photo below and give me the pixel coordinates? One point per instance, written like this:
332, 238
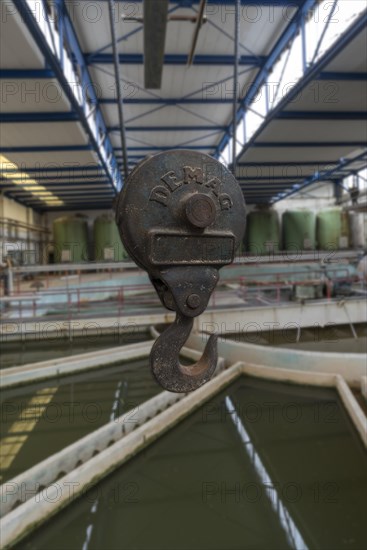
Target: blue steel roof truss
312, 72
251, 61
344, 164
54, 60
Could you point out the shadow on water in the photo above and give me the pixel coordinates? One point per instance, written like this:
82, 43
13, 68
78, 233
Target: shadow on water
40, 419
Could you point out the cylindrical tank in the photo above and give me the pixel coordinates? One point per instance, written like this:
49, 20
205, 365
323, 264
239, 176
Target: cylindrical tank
358, 227
262, 232
344, 240
299, 230
332, 229
70, 239
107, 242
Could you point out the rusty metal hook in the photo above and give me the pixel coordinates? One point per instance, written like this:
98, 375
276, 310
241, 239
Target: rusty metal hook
181, 216
165, 363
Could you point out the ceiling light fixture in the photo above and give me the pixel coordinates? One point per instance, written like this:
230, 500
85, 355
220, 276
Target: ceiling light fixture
10, 171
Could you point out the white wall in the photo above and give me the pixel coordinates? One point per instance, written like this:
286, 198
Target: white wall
315, 197
15, 211
91, 215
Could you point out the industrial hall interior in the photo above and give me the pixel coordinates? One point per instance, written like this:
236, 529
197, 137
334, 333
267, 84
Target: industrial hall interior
183, 274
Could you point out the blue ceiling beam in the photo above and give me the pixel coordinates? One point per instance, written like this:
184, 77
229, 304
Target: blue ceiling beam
307, 144
342, 76
14, 74
321, 115
275, 3
70, 167
266, 178
175, 59
168, 128
31, 199
45, 148
262, 191
89, 178
167, 101
59, 185
68, 194
250, 186
70, 204
44, 116
286, 164
69, 198
54, 182
74, 206
224, 3
260, 194
167, 147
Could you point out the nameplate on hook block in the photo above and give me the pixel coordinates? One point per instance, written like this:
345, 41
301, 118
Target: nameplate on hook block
180, 249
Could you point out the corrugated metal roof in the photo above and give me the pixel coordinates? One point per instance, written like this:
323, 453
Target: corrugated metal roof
193, 107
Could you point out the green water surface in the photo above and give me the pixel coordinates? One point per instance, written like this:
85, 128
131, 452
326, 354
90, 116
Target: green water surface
38, 420
333, 338
264, 465
21, 353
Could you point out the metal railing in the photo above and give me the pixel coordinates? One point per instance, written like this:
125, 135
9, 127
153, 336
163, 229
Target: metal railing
259, 288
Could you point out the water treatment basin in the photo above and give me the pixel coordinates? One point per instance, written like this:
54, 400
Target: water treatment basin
262, 465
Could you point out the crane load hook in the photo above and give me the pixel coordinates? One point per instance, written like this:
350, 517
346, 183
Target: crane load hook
165, 362
181, 216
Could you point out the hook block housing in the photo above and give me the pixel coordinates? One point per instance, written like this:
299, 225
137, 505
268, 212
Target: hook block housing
181, 216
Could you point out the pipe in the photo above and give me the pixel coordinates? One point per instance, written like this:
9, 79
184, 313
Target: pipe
111, 8
235, 81
23, 225
299, 325
199, 23
353, 330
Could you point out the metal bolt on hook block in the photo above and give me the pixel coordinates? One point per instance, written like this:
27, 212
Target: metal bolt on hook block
181, 216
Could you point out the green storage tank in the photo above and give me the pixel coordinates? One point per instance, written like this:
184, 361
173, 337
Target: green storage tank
299, 230
358, 229
107, 242
345, 237
262, 232
332, 229
71, 239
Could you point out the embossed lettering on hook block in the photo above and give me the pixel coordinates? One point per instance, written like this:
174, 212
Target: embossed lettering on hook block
181, 216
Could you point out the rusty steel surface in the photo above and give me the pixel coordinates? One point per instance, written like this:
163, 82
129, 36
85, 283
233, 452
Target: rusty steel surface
181, 216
